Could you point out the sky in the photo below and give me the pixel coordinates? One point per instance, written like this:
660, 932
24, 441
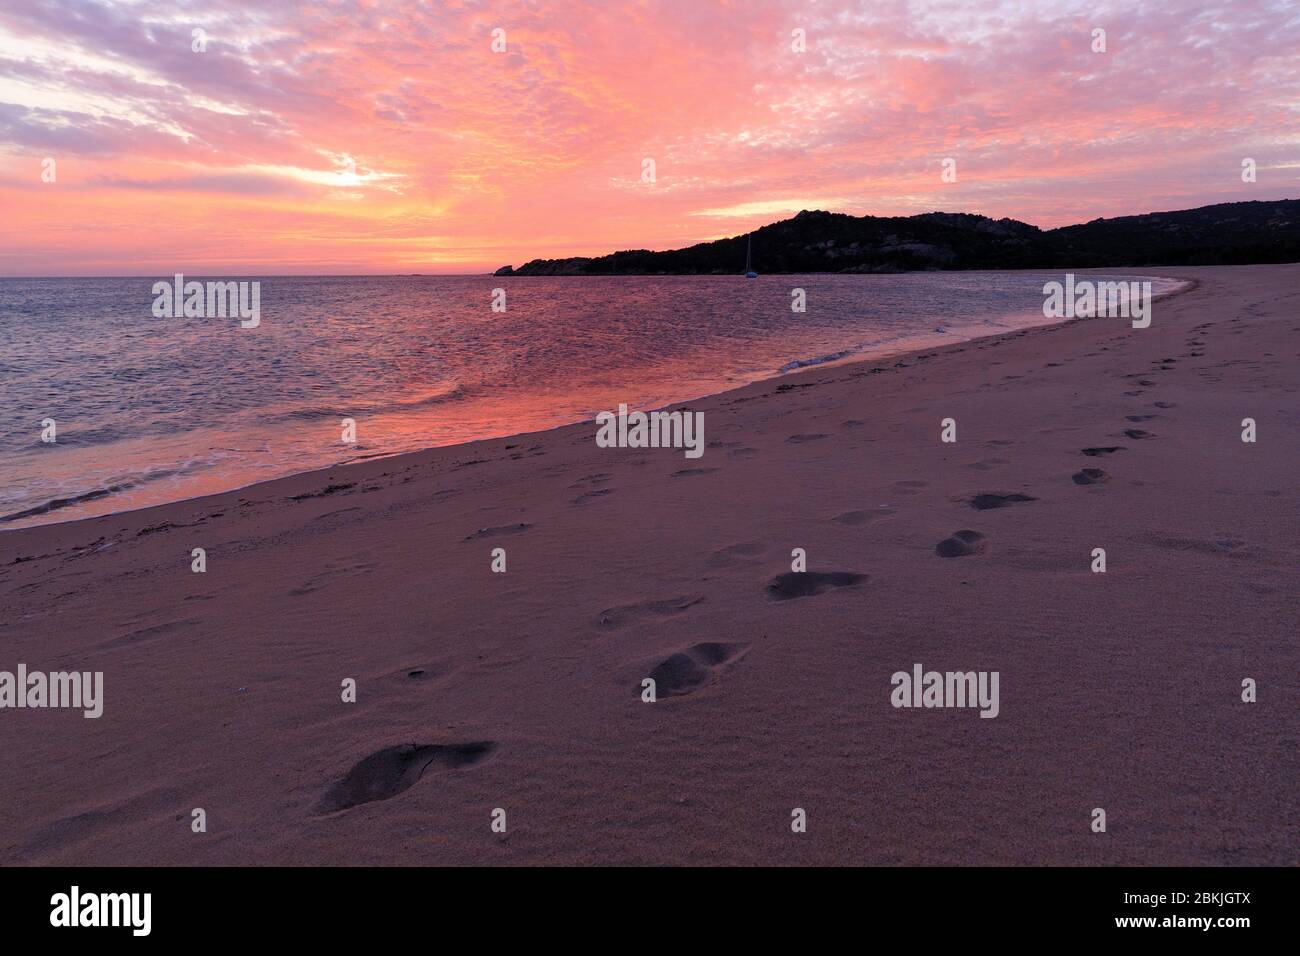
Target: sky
361, 136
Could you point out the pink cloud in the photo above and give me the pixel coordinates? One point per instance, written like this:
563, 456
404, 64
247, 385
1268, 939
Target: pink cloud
462, 159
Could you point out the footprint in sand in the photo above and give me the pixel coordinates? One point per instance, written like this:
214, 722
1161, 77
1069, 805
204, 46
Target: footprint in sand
587, 496
688, 472
985, 502
689, 670
744, 551
92, 826
855, 518
613, 618
335, 513
421, 673
386, 773
498, 531
799, 584
961, 544
319, 581
987, 464
1218, 545
1138, 418
146, 634
743, 453
800, 439
1090, 476
1221, 543
909, 487
1164, 404
1137, 434
1099, 451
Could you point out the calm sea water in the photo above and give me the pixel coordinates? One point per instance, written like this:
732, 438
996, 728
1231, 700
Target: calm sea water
150, 410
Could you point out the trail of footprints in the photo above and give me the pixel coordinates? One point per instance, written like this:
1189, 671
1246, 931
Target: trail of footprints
967, 542
393, 770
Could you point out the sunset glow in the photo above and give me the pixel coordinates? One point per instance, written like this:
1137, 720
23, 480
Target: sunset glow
391, 138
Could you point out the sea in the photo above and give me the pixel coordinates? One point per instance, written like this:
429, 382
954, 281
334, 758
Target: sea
143, 409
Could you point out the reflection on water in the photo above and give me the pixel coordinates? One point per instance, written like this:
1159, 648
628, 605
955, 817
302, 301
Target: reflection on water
151, 410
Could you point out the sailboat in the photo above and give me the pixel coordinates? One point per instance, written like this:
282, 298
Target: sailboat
749, 246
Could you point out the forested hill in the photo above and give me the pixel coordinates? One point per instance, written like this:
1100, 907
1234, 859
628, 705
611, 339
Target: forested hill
1227, 233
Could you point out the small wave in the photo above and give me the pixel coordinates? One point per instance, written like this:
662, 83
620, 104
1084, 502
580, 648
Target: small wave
312, 414
820, 360
453, 394
57, 504
105, 435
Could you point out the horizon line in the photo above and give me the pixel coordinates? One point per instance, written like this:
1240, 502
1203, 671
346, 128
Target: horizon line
490, 271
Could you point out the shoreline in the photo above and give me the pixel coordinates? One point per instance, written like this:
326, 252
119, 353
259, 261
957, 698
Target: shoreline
521, 689
1189, 284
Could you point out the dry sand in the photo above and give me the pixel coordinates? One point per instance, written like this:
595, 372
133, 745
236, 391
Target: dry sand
521, 690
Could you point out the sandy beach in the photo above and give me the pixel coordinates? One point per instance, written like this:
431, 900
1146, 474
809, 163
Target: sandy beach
521, 691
